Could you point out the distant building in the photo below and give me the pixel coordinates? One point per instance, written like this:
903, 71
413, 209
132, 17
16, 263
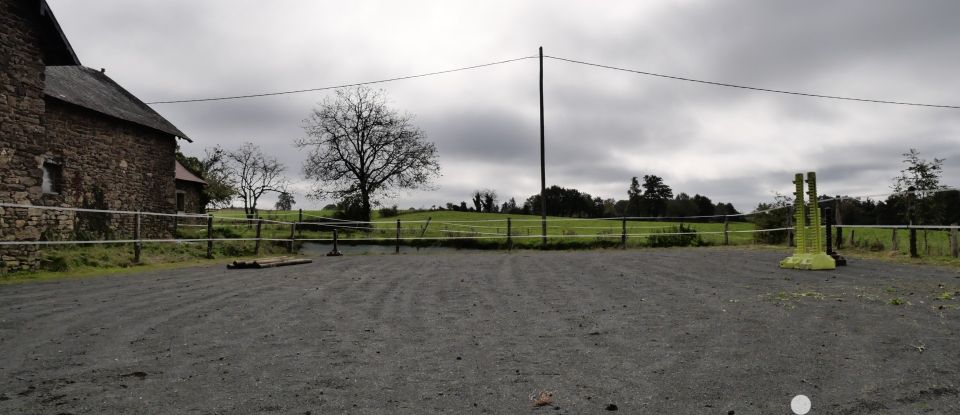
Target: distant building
72, 137
189, 190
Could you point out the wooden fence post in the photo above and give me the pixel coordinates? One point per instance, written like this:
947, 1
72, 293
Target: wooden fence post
894, 241
726, 230
509, 235
300, 220
137, 246
790, 241
543, 227
210, 237
828, 230
397, 251
256, 248
293, 237
913, 242
954, 249
423, 231
623, 233
336, 249
839, 223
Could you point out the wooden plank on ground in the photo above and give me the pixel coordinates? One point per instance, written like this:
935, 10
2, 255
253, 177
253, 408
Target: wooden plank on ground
268, 262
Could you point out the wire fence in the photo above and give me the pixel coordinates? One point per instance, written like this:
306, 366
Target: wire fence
913, 240
57, 225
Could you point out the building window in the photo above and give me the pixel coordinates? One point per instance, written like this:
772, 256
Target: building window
181, 202
52, 177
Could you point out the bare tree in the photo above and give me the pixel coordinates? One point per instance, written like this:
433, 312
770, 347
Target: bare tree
254, 174
360, 148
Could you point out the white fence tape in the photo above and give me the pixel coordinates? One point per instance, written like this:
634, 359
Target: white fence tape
615, 228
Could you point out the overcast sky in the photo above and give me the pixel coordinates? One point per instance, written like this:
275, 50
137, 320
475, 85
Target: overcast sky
602, 126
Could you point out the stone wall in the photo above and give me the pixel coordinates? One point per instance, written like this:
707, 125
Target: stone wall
191, 192
111, 164
105, 163
21, 126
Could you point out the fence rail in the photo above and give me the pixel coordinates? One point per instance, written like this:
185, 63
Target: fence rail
945, 236
200, 228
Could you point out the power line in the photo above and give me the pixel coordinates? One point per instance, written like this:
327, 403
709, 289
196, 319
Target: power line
680, 78
579, 62
297, 91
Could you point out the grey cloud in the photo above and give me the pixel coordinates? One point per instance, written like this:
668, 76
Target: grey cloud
485, 122
492, 137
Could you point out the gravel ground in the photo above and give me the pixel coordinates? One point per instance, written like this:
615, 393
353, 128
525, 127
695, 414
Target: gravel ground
678, 331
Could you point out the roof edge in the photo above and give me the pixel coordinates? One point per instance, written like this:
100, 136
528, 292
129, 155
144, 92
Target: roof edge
182, 173
47, 12
65, 102
102, 77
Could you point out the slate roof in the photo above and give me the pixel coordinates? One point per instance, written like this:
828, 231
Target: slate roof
94, 90
185, 175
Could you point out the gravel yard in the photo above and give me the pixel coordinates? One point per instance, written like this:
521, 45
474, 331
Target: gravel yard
682, 331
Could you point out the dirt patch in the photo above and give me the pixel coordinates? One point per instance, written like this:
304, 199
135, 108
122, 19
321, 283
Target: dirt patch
655, 331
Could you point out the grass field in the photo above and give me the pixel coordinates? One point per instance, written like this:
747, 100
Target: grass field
469, 230
488, 230
930, 242
482, 229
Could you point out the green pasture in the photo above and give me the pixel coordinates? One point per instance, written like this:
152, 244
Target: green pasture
285, 215
488, 230
457, 228
930, 242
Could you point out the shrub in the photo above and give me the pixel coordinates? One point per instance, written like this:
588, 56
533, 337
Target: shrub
351, 208
388, 212
225, 232
687, 237
776, 215
92, 226
55, 263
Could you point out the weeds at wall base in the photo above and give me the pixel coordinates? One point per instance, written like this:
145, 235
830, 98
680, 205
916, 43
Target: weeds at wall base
83, 260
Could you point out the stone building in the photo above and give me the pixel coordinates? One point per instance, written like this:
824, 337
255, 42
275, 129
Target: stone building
189, 190
73, 138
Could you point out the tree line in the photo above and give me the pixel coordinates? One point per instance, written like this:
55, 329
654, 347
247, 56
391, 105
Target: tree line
918, 198
651, 198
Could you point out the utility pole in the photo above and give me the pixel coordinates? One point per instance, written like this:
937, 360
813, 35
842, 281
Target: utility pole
543, 179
